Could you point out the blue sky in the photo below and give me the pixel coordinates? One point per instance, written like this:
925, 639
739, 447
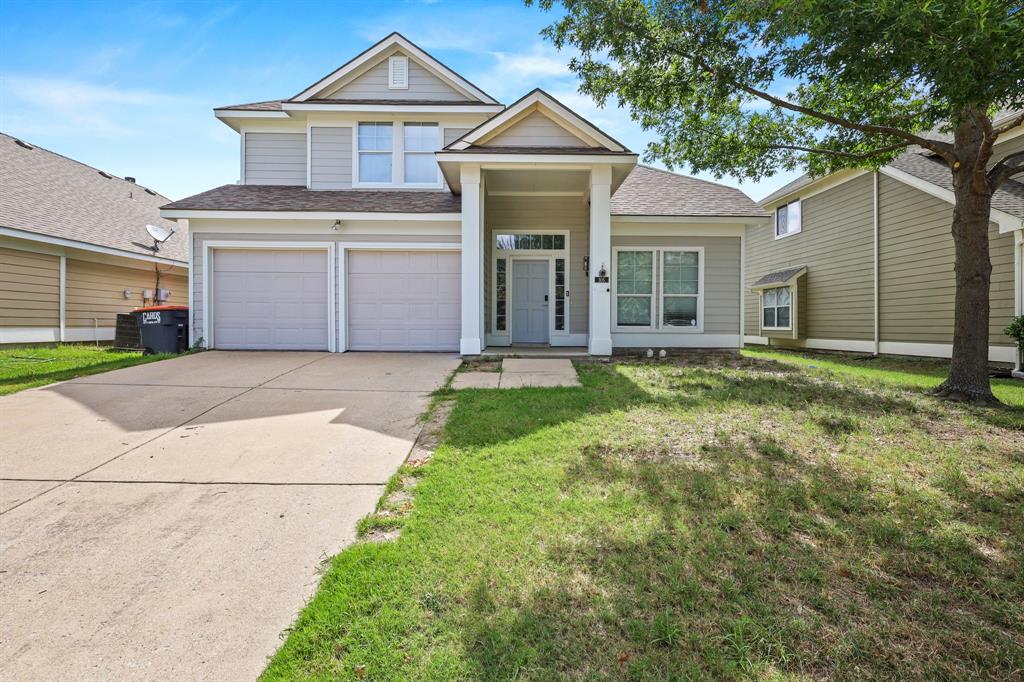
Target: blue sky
129, 87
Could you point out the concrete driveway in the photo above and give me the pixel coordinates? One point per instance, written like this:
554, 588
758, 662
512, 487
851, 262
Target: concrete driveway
167, 521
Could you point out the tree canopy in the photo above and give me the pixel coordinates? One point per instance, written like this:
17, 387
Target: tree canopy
751, 87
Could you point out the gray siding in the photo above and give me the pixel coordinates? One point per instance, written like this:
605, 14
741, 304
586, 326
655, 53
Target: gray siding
374, 85
330, 162
275, 158
721, 276
452, 134
917, 284
837, 246
199, 239
536, 130
544, 213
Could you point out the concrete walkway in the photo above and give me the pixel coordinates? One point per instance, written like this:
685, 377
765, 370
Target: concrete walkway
167, 521
521, 373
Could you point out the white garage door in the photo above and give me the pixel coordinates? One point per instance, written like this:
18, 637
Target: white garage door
404, 300
265, 299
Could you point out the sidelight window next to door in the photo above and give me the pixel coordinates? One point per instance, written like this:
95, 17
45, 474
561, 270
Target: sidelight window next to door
659, 288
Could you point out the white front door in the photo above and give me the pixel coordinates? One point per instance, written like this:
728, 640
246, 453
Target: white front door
530, 301
404, 300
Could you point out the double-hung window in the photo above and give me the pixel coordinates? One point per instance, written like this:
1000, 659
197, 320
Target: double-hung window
776, 308
658, 288
787, 219
375, 160
420, 141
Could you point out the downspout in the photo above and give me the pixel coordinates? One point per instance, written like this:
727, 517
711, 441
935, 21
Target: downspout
63, 297
875, 256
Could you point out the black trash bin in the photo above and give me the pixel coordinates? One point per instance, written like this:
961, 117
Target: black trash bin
164, 328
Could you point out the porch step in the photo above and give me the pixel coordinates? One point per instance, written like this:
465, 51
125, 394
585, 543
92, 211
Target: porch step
538, 352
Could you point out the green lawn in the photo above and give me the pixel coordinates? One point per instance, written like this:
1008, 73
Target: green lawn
22, 368
740, 519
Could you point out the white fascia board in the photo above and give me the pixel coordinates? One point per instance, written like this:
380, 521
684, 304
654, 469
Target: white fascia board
389, 108
245, 113
552, 109
1005, 221
513, 161
392, 41
309, 215
710, 220
85, 246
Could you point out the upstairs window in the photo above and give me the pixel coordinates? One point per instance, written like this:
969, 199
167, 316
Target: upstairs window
776, 308
787, 219
398, 73
375, 145
420, 141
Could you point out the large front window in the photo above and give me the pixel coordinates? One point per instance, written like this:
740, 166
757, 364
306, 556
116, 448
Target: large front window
658, 288
420, 140
776, 308
375, 143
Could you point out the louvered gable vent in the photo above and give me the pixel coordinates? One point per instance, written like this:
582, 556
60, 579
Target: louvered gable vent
398, 73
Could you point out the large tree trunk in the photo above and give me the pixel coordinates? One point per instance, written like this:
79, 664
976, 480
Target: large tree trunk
968, 370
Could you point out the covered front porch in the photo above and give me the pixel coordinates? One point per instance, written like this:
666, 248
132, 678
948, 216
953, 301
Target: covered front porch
536, 256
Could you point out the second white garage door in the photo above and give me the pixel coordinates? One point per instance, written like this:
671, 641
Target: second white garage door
403, 300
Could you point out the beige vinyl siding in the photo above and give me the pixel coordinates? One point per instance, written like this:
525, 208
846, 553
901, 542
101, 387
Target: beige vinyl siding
198, 254
1010, 146
721, 275
543, 213
452, 134
275, 158
836, 245
330, 159
917, 283
373, 84
29, 289
535, 130
95, 291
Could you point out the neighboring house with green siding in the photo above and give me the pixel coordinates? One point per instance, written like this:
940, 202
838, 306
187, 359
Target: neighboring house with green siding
863, 261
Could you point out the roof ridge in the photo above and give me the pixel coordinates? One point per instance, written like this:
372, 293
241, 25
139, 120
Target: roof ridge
80, 163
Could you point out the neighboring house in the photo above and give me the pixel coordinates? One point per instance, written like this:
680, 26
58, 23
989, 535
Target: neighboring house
393, 205
73, 248
863, 261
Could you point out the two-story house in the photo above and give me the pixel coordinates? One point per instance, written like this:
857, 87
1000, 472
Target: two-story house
863, 261
394, 205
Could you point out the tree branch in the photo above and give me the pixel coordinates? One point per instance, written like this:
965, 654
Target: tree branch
1009, 125
943, 149
1010, 165
835, 152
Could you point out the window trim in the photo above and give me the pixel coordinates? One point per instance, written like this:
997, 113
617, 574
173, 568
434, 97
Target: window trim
397, 156
657, 325
761, 307
775, 219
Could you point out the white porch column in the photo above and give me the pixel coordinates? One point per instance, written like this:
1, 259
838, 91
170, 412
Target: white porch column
600, 337
472, 262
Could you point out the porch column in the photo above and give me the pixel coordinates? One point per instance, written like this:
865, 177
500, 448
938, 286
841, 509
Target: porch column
600, 338
472, 262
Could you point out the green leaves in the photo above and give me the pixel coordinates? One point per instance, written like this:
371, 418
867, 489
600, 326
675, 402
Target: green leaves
749, 87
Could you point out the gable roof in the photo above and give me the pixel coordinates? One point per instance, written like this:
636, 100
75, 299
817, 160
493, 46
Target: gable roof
51, 195
651, 191
369, 57
534, 101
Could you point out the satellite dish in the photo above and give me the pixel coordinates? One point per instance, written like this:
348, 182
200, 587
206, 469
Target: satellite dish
159, 234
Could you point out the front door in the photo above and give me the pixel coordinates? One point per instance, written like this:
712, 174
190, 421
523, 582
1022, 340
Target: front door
529, 301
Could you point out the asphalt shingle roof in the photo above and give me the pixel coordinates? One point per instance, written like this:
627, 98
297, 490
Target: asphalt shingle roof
297, 198
52, 195
780, 276
1009, 198
651, 191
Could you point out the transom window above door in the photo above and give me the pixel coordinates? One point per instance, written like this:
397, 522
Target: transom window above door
659, 288
530, 242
